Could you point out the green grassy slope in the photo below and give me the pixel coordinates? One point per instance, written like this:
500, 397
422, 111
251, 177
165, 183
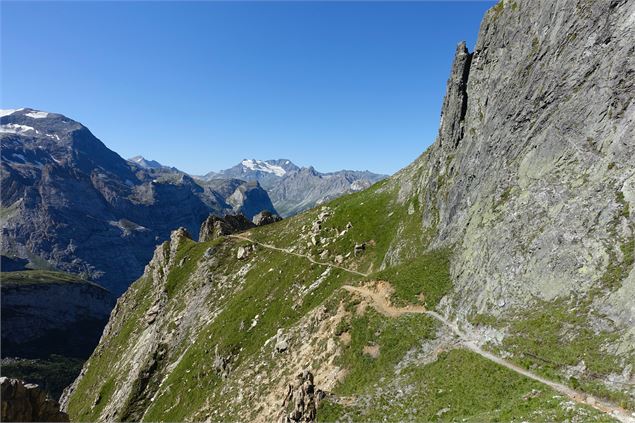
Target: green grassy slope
29, 277
235, 308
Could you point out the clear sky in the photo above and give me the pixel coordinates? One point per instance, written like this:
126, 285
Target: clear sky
202, 85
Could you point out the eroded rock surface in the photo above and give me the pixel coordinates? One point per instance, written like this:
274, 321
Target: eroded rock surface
214, 226
265, 218
27, 403
301, 400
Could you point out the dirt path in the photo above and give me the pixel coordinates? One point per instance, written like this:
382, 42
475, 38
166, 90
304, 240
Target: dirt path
311, 259
380, 300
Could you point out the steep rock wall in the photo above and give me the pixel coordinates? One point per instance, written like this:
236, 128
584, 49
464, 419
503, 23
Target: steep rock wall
531, 177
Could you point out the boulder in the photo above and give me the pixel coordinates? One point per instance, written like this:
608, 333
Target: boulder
221, 364
359, 248
323, 215
242, 253
281, 342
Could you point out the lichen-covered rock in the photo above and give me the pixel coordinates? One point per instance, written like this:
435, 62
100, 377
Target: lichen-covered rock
26, 402
534, 159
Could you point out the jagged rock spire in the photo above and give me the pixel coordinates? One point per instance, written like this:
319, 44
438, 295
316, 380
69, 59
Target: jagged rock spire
452, 124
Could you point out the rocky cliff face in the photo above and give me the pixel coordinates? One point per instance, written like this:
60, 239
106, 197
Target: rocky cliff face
70, 203
27, 403
51, 323
46, 313
515, 227
531, 178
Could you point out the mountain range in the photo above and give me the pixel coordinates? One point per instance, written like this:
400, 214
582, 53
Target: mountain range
292, 189
492, 279
70, 203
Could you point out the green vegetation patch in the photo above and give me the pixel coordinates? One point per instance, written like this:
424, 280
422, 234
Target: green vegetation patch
553, 335
483, 319
426, 277
460, 386
267, 301
376, 220
617, 270
31, 277
97, 385
388, 338
52, 374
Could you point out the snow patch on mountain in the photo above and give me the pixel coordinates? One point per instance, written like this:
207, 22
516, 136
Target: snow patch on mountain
37, 115
19, 156
14, 128
7, 112
145, 163
262, 166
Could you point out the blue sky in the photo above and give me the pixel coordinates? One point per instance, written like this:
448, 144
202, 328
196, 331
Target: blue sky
202, 85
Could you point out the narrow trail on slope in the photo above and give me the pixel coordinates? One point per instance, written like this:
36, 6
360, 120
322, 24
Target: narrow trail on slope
306, 256
380, 300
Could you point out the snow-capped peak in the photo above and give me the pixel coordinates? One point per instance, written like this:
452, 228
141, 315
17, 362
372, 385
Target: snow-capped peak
263, 166
35, 114
143, 162
7, 112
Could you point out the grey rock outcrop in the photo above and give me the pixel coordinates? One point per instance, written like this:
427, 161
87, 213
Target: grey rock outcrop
281, 341
531, 176
242, 253
265, 218
302, 400
27, 403
451, 128
214, 226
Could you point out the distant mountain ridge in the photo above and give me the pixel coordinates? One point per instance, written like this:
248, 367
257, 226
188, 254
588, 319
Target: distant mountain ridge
70, 203
146, 164
294, 189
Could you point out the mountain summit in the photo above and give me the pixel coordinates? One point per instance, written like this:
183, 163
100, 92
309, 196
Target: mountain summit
146, 164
